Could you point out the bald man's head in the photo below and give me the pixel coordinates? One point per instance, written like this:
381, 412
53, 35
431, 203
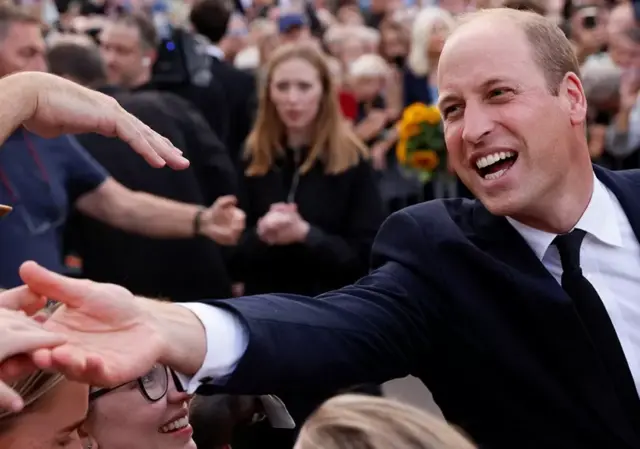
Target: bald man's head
550, 49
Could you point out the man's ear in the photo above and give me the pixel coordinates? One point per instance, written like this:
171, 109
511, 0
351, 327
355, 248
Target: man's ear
573, 93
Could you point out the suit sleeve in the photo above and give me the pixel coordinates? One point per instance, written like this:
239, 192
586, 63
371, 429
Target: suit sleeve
369, 332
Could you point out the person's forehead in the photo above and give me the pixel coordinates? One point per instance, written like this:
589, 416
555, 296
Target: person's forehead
25, 27
295, 69
481, 50
24, 33
120, 31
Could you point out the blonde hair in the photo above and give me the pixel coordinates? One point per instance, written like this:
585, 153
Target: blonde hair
421, 37
369, 65
333, 142
248, 58
31, 389
368, 422
368, 35
335, 34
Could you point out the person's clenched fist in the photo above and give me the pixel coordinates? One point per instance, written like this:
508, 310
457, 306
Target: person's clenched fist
223, 222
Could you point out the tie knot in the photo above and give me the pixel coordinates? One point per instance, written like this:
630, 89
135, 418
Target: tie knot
569, 248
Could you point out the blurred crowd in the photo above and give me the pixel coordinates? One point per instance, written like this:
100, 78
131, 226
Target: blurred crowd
287, 111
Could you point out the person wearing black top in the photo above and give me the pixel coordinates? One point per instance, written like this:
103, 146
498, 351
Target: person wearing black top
179, 270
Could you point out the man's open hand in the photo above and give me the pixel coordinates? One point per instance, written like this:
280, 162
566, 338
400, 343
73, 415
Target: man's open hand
55, 106
113, 336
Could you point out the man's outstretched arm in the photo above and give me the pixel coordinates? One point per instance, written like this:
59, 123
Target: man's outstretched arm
369, 332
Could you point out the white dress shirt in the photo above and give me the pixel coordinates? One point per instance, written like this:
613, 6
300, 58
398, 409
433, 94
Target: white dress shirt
610, 259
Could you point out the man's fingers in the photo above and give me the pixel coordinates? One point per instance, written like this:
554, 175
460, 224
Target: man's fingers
16, 368
167, 151
128, 130
225, 201
72, 362
22, 298
155, 149
95, 370
29, 341
284, 207
9, 399
43, 282
42, 358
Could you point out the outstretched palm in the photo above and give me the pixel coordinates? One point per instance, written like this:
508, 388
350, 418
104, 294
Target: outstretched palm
109, 340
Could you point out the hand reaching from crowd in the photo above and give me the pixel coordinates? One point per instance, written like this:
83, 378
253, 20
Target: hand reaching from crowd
282, 225
629, 88
223, 222
20, 335
96, 327
50, 106
111, 336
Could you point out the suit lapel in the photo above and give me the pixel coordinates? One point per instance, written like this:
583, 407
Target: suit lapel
559, 337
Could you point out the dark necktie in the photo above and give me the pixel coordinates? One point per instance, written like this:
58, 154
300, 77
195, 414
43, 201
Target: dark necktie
596, 321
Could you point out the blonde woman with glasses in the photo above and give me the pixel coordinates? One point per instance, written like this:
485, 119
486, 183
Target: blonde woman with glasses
151, 412
364, 422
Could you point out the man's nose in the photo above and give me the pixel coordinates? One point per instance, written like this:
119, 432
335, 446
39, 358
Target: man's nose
38, 64
478, 123
108, 56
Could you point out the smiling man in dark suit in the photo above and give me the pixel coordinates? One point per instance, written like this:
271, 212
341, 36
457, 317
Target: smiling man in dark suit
519, 311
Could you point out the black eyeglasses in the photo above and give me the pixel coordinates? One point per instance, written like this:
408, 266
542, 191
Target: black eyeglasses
153, 386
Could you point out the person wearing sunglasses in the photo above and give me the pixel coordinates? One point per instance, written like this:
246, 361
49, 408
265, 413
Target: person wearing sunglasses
150, 412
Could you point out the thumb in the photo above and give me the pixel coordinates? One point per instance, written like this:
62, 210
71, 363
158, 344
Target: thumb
225, 201
284, 207
4, 210
22, 298
43, 282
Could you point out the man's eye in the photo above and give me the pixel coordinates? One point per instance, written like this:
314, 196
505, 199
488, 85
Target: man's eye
498, 92
450, 110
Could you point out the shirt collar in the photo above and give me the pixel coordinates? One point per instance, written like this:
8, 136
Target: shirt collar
598, 220
214, 51
209, 48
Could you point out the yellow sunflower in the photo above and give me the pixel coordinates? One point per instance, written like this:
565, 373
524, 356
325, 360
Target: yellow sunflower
424, 160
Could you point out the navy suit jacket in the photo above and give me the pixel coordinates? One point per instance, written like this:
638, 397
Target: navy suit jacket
457, 298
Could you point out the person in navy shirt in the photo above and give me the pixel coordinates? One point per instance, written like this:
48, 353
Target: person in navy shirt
41, 179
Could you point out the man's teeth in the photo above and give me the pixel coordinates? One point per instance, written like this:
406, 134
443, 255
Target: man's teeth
495, 175
491, 159
175, 425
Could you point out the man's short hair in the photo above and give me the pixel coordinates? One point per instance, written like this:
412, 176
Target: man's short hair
210, 18
526, 5
551, 49
80, 62
10, 14
148, 34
